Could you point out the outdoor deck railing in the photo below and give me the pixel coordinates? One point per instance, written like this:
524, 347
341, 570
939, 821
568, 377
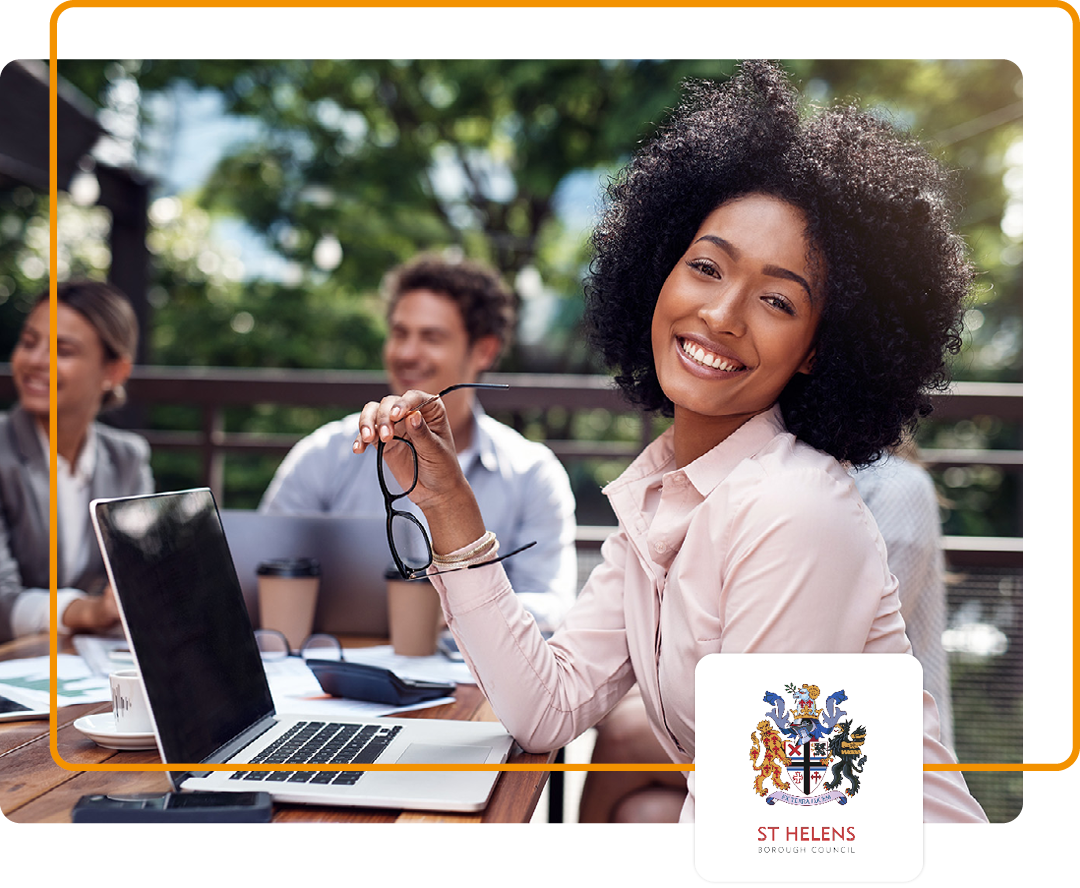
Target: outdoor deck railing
214, 389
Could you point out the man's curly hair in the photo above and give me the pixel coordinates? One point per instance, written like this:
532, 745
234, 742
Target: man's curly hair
488, 307
878, 213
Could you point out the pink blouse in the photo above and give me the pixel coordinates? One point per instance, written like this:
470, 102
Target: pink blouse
747, 549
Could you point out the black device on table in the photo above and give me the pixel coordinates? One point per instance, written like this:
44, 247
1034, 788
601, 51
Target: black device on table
361, 681
174, 807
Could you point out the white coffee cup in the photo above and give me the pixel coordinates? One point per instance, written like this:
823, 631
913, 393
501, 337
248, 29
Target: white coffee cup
130, 710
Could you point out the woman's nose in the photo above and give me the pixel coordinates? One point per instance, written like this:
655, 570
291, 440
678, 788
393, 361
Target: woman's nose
726, 313
39, 353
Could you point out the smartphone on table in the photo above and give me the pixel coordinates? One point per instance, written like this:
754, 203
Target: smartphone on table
174, 807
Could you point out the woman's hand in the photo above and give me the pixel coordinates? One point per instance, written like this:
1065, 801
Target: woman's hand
441, 491
92, 614
420, 418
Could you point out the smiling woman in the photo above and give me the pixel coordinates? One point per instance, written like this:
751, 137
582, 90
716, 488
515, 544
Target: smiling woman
735, 319
96, 336
871, 199
752, 278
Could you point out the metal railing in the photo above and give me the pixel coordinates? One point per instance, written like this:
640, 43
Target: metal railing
212, 390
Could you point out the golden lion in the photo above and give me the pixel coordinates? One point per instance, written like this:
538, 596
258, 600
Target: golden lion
770, 769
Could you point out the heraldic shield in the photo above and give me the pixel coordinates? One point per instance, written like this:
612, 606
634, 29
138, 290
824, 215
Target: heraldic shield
808, 755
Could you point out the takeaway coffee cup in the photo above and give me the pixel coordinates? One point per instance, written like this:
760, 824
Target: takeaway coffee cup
415, 615
130, 710
288, 592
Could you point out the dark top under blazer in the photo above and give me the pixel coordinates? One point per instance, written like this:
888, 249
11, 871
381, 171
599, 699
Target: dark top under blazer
121, 468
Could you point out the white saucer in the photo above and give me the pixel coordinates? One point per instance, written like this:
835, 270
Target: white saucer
101, 728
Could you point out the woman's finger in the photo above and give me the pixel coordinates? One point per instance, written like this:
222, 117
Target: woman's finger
366, 427
378, 419
374, 422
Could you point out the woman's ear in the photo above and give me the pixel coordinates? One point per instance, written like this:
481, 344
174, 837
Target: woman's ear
808, 362
117, 372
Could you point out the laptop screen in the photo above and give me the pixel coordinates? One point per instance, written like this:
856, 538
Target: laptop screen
186, 619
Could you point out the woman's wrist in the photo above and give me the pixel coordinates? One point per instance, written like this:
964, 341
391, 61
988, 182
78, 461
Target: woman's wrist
89, 614
484, 549
76, 615
454, 520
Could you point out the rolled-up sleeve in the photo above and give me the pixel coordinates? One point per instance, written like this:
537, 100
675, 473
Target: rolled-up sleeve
544, 692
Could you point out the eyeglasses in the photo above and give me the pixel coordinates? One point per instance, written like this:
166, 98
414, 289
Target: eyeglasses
273, 645
410, 544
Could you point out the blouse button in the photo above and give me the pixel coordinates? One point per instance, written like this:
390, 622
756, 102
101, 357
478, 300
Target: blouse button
661, 547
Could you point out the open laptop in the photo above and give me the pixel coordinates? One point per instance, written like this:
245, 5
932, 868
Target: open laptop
192, 641
352, 553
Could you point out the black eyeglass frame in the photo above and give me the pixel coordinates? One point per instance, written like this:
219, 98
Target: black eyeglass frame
419, 573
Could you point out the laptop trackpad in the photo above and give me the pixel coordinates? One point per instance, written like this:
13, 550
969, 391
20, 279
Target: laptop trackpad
446, 790
443, 754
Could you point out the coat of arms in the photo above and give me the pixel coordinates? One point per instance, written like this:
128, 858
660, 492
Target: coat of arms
807, 752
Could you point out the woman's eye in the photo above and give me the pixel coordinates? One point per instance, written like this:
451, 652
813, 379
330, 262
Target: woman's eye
705, 267
781, 303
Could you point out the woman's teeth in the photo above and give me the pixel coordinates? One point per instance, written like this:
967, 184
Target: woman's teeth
708, 358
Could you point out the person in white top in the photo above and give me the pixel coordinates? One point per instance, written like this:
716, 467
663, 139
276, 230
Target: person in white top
97, 333
901, 495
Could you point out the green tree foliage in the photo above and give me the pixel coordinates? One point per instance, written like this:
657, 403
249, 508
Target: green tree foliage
390, 157
19, 209
376, 160
359, 148
24, 252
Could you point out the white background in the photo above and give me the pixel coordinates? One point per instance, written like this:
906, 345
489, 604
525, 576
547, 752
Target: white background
1038, 40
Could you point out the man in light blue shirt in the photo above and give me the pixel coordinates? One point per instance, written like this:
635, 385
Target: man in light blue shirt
448, 323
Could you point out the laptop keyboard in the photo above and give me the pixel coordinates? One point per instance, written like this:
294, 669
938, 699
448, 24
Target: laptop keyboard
322, 743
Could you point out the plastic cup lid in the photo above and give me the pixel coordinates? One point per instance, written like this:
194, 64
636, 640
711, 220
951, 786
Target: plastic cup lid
288, 567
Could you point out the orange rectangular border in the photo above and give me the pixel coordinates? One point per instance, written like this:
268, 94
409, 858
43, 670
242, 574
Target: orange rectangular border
53, 517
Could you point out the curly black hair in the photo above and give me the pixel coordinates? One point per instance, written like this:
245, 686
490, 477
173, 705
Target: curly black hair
879, 212
488, 307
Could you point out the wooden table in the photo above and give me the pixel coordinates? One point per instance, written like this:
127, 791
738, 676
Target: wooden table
34, 789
